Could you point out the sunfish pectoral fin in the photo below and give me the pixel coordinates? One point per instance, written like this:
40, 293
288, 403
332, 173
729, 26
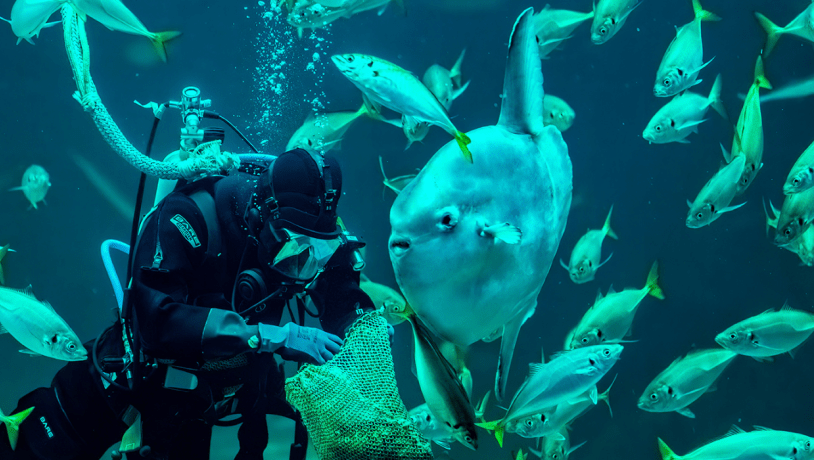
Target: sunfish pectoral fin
521, 110
685, 412
505, 232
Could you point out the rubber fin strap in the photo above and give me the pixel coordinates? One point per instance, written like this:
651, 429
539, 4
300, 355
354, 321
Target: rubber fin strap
206, 204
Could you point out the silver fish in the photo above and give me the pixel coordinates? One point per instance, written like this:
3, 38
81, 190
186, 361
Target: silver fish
445, 84
383, 83
801, 26
769, 333
443, 392
684, 381
554, 26
795, 217
760, 444
715, 197
322, 132
803, 245
29, 17
37, 326
609, 17
610, 318
35, 184
801, 175
554, 448
684, 57
565, 377
395, 307
682, 115
464, 222
557, 112
3, 251
396, 184
587, 253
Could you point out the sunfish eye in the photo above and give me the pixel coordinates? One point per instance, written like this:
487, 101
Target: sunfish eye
448, 221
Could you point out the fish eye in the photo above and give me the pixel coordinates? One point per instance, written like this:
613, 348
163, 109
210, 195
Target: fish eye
585, 340
666, 82
787, 232
349, 57
71, 346
796, 181
603, 30
582, 269
654, 397
555, 456
699, 216
808, 445
468, 439
606, 352
448, 221
529, 423
658, 128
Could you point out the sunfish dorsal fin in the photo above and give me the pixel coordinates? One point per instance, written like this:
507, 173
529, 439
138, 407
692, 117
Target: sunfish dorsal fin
521, 110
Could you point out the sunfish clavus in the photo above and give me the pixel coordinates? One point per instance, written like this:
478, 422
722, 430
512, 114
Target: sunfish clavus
454, 253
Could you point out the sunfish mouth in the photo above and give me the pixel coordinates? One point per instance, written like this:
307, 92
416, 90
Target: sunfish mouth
399, 245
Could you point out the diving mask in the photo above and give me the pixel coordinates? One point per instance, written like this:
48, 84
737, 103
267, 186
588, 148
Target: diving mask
301, 257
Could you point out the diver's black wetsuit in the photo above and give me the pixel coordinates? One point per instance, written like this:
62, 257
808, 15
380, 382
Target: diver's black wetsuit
183, 316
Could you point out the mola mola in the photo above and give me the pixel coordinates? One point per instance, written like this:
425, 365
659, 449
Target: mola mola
472, 243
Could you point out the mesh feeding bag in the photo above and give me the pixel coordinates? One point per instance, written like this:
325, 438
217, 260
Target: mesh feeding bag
351, 406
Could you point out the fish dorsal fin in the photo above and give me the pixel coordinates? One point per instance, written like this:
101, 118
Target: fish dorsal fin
28, 291
47, 305
761, 428
786, 307
611, 290
534, 368
521, 111
735, 429
599, 295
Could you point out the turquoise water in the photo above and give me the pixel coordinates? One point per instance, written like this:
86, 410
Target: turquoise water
712, 277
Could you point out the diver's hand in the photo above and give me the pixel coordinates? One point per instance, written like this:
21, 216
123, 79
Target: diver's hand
298, 343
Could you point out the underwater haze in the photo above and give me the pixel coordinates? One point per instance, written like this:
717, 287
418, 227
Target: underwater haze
266, 80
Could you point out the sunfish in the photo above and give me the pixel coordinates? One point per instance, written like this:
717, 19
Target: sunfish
456, 244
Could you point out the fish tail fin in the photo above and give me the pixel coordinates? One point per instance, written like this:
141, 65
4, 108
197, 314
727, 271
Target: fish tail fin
13, 424
772, 30
160, 39
760, 74
455, 71
715, 100
605, 395
496, 426
607, 227
463, 141
666, 452
652, 282
702, 14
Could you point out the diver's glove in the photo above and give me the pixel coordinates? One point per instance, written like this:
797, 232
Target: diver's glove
297, 343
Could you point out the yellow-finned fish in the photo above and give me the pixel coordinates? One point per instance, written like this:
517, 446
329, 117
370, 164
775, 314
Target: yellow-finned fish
37, 326
760, 444
322, 132
682, 115
12, 423
609, 17
115, 16
29, 17
395, 307
801, 175
587, 253
803, 246
769, 333
554, 26
611, 317
795, 217
748, 139
442, 390
445, 84
684, 381
395, 184
385, 84
684, 57
554, 448
716, 195
36, 183
557, 112
801, 26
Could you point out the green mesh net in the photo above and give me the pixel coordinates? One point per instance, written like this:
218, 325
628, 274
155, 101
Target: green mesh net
351, 406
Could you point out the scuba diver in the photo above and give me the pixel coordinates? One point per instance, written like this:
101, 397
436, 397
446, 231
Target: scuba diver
216, 265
